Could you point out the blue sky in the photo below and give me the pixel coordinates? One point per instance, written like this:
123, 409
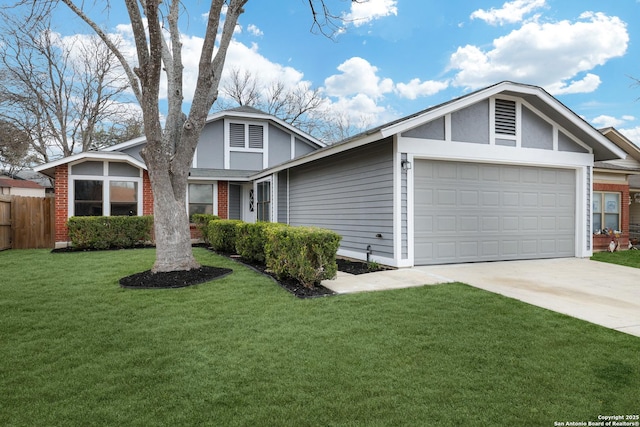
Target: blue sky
392, 58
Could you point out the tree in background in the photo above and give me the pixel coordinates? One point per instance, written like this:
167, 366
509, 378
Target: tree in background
64, 93
14, 148
301, 105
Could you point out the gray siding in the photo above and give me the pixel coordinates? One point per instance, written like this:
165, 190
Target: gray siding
279, 146
536, 132
211, 146
431, 130
567, 144
471, 124
245, 161
283, 192
302, 148
350, 193
135, 152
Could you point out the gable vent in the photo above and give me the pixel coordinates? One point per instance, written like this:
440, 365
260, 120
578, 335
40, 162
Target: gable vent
505, 117
236, 135
255, 136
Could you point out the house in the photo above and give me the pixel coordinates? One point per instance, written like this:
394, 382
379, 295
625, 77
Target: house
234, 145
616, 195
20, 187
502, 173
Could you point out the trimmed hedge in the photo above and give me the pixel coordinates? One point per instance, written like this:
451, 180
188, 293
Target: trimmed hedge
104, 232
222, 235
202, 223
307, 254
251, 239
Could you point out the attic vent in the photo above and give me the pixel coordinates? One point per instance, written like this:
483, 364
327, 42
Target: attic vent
236, 135
255, 136
505, 117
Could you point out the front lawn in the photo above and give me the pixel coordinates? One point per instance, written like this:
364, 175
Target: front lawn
78, 350
628, 258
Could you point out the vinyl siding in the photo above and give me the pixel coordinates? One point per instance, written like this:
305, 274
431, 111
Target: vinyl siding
350, 193
283, 190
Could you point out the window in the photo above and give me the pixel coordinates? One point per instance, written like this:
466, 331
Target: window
88, 197
606, 211
123, 197
98, 188
243, 135
263, 203
200, 199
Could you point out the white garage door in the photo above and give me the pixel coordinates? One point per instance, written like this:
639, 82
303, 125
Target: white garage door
466, 212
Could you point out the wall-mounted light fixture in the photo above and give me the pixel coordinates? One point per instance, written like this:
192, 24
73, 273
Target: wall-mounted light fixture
406, 165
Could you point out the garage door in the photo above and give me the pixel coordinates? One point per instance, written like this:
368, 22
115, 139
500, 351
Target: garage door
467, 212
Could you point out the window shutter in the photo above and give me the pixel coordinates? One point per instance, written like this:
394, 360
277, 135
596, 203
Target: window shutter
236, 135
255, 136
505, 117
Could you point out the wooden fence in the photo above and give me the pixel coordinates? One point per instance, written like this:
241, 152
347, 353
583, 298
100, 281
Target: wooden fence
27, 222
5, 222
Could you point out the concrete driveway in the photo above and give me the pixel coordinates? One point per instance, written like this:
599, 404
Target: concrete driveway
601, 293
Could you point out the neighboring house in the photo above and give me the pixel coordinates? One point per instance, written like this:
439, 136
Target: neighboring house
19, 187
616, 208
502, 173
234, 145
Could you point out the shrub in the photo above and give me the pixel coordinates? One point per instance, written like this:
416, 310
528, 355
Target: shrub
222, 235
251, 239
307, 254
202, 223
103, 232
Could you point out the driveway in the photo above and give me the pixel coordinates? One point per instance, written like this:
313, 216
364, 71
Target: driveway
601, 293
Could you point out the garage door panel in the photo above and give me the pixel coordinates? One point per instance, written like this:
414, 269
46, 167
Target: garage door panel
507, 212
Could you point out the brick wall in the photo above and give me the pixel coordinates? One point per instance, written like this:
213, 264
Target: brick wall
601, 242
223, 199
147, 194
61, 192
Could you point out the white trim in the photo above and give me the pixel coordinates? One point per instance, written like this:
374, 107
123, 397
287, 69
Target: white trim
362, 256
92, 155
397, 200
410, 261
106, 188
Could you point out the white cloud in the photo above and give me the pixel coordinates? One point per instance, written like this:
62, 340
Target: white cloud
511, 12
415, 88
358, 77
558, 56
254, 30
363, 12
605, 121
633, 134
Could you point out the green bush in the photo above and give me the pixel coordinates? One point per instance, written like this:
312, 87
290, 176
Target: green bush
251, 239
202, 223
222, 235
104, 232
307, 254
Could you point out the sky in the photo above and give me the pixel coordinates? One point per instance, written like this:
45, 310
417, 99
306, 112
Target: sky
391, 58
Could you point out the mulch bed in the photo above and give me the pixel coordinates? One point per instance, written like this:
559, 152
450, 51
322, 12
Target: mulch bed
173, 279
181, 279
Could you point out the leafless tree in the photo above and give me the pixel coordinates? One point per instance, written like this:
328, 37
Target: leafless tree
169, 150
58, 91
14, 148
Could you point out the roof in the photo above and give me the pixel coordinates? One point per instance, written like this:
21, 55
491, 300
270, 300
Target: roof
244, 112
615, 136
19, 183
221, 174
49, 168
603, 148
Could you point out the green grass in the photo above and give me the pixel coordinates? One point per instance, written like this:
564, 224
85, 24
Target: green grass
627, 258
77, 350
